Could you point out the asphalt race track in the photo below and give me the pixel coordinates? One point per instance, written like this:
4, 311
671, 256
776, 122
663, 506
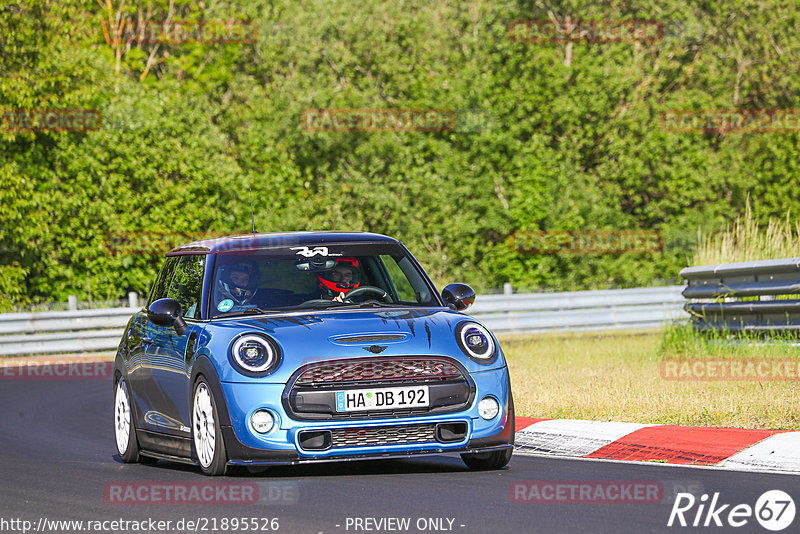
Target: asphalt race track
58, 461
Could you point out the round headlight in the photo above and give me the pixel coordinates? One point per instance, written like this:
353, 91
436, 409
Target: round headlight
488, 408
262, 421
253, 353
476, 341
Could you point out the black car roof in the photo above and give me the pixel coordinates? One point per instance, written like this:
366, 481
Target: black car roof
286, 239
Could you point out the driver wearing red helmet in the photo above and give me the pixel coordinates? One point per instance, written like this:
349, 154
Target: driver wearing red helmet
336, 282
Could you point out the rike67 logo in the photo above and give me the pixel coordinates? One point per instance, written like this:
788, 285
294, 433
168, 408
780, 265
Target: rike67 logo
774, 510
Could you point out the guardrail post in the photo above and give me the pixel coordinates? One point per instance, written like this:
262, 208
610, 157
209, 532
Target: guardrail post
133, 299
507, 289
73, 302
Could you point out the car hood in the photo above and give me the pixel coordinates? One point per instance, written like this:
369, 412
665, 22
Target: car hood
334, 334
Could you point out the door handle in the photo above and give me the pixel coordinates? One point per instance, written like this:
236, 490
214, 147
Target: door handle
147, 340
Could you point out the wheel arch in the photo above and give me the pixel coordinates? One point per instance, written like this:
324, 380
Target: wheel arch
119, 371
203, 367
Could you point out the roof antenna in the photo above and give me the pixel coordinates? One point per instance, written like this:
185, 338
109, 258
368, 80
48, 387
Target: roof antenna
252, 215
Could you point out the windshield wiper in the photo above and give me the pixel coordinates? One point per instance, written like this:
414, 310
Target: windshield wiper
318, 303
370, 304
338, 305
379, 304
251, 311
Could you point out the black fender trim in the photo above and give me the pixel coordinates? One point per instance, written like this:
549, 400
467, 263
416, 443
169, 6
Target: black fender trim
203, 366
119, 369
122, 370
505, 436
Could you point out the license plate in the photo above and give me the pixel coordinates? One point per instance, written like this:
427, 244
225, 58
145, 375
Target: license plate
355, 400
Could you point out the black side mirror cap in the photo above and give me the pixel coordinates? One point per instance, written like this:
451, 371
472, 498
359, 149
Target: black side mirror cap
458, 296
167, 312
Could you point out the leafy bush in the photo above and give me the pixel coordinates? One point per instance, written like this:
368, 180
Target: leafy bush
559, 137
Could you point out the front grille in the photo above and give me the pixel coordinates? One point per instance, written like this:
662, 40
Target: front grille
385, 435
379, 369
311, 392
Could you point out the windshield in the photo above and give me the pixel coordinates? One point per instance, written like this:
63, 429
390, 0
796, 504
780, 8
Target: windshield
317, 277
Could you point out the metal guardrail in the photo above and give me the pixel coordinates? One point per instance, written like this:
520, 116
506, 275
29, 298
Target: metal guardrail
716, 292
94, 330
609, 309
62, 332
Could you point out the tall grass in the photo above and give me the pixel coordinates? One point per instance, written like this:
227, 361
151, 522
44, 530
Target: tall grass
611, 376
746, 240
617, 377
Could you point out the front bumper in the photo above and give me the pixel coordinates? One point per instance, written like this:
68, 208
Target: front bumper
282, 446
374, 456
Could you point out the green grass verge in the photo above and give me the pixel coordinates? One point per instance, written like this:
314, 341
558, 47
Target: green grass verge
618, 377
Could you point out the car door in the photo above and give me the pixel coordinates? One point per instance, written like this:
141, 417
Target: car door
168, 360
140, 375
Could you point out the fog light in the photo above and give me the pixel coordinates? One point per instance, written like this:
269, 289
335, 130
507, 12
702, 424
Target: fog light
262, 421
488, 408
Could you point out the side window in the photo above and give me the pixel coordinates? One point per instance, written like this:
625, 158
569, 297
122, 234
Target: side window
399, 279
187, 284
161, 286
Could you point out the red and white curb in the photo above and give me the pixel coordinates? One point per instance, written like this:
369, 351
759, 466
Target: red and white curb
731, 448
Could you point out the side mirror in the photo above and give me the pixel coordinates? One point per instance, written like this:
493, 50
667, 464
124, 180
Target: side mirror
458, 296
167, 312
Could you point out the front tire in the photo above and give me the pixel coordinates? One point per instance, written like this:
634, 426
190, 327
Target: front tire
124, 429
481, 461
209, 447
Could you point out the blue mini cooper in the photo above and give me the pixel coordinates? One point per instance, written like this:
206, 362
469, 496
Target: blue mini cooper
269, 349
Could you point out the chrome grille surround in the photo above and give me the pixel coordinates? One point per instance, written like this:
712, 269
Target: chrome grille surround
409, 368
